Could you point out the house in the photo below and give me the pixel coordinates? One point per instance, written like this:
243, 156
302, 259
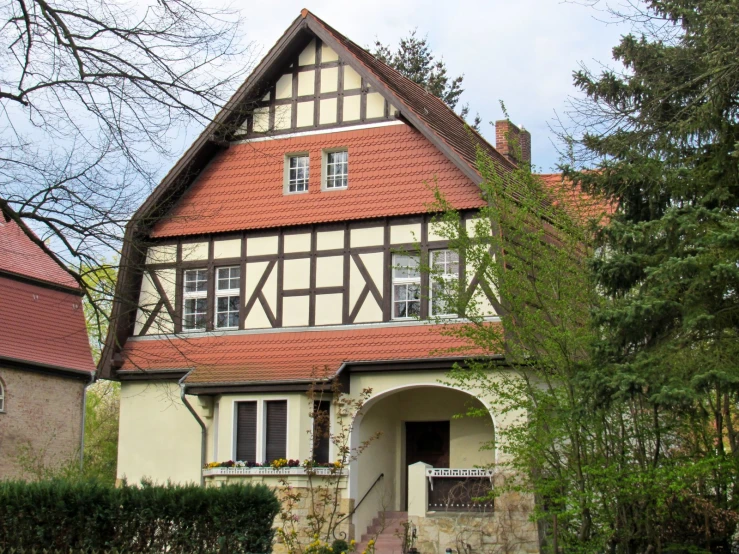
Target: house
282, 249
45, 359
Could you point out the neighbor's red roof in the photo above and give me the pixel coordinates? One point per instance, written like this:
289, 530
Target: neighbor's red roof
287, 356
19, 255
391, 170
44, 326
579, 203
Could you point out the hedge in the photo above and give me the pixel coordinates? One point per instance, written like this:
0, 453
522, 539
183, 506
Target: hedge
61, 516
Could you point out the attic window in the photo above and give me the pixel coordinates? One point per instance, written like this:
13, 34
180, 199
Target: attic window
336, 169
297, 173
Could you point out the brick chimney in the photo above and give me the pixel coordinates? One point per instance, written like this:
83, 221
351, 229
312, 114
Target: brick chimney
506, 136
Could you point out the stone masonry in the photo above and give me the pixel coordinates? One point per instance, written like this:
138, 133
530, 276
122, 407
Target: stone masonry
41, 423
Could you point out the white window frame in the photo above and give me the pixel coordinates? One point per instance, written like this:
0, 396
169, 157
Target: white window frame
324, 169
2, 397
445, 276
193, 295
227, 293
405, 281
286, 178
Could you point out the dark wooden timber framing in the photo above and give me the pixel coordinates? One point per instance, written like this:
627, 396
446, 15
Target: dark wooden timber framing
209, 144
294, 69
379, 292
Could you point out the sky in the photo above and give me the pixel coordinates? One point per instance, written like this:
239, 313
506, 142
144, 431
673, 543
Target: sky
522, 52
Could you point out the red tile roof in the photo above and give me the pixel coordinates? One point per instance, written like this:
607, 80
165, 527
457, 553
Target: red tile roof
287, 356
19, 255
43, 326
390, 169
580, 205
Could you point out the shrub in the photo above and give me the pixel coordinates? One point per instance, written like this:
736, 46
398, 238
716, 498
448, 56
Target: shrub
90, 516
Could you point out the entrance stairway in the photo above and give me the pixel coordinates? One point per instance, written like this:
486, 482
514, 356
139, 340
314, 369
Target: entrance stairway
387, 531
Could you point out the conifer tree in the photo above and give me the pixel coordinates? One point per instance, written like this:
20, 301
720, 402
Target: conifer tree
414, 59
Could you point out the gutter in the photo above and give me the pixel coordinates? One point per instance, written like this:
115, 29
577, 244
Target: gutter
203, 437
84, 420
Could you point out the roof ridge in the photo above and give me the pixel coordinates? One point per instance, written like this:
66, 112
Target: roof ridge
411, 81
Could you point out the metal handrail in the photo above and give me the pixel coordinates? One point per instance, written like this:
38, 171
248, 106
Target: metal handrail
350, 514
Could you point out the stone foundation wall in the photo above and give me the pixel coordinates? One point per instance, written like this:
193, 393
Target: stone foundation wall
299, 484
505, 530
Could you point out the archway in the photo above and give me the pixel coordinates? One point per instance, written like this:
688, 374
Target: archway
400, 413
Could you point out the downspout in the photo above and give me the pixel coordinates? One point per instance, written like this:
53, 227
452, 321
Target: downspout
84, 420
203, 437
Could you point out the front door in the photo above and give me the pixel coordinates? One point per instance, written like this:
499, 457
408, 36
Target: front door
428, 442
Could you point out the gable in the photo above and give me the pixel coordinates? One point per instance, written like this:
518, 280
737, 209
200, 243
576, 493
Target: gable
314, 89
392, 170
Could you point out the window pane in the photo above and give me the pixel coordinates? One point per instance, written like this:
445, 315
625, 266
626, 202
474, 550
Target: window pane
298, 174
337, 169
399, 309
400, 292
196, 280
228, 278
227, 311
195, 313
406, 266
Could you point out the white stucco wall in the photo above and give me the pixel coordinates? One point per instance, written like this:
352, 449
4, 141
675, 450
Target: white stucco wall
159, 438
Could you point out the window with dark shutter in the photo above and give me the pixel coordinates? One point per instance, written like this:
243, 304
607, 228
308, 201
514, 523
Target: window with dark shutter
246, 431
276, 413
321, 429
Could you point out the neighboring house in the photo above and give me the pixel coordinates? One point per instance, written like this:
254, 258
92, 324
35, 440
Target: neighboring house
271, 255
45, 359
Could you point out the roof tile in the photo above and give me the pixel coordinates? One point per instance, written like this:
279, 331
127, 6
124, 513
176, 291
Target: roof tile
43, 326
288, 356
19, 255
391, 171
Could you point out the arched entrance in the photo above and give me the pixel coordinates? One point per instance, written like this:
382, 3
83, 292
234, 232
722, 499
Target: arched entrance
415, 423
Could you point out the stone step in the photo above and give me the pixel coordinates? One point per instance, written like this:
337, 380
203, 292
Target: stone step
385, 530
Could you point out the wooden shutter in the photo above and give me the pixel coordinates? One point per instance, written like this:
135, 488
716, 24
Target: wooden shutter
246, 431
321, 429
276, 429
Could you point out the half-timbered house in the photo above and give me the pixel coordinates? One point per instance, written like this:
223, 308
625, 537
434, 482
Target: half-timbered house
284, 249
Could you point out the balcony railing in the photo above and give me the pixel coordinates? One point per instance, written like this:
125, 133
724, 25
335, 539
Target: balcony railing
459, 490
265, 471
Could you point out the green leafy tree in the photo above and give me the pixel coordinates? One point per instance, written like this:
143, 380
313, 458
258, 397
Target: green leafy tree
103, 398
613, 466
414, 59
664, 138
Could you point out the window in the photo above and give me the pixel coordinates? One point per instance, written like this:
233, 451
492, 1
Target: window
298, 173
445, 265
227, 297
2, 396
337, 170
406, 286
321, 430
276, 428
246, 431
195, 299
